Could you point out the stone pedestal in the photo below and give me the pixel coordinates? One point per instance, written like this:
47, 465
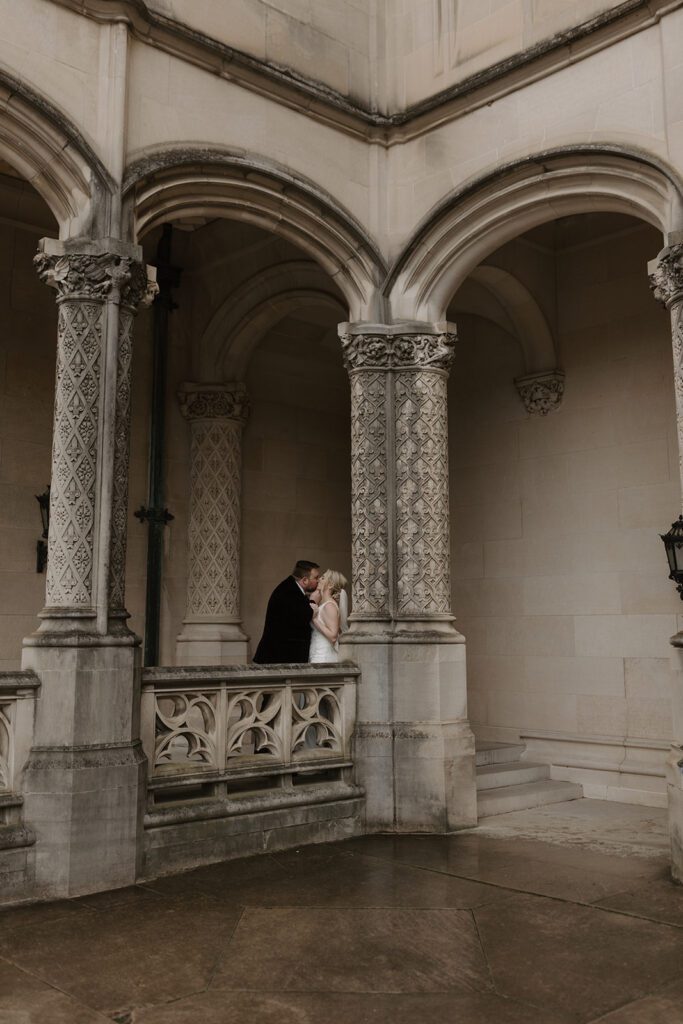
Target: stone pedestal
414, 749
83, 783
212, 631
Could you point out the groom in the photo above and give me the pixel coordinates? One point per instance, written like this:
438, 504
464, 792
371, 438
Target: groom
287, 629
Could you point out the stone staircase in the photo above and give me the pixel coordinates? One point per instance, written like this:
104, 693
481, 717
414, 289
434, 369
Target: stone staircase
505, 783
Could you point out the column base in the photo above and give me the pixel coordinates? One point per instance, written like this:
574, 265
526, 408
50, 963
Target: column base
414, 749
84, 780
211, 643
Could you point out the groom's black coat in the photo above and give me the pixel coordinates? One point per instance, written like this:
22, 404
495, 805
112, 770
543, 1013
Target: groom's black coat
287, 629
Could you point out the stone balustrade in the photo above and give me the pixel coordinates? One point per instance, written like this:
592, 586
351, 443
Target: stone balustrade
231, 724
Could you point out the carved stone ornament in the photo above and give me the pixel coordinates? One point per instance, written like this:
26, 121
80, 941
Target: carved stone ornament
213, 582
541, 393
214, 401
666, 275
369, 496
96, 276
422, 534
398, 351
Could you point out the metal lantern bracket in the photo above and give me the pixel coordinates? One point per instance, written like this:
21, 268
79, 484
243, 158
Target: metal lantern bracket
41, 545
673, 544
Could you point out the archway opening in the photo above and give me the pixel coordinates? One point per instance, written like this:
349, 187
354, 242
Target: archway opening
252, 309
559, 578
27, 383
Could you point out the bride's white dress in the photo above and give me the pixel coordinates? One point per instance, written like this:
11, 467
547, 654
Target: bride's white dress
321, 649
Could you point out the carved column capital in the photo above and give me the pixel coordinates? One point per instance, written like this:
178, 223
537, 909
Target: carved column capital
666, 275
214, 402
397, 346
96, 271
541, 393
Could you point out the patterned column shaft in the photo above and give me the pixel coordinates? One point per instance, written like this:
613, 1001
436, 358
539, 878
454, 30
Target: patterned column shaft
369, 476
401, 550
136, 292
86, 282
666, 281
422, 529
217, 414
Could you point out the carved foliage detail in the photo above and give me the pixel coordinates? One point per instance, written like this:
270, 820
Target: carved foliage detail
74, 454
397, 351
223, 401
214, 530
369, 502
541, 393
666, 280
422, 538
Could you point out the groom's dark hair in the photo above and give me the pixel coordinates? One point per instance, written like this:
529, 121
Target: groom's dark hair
303, 568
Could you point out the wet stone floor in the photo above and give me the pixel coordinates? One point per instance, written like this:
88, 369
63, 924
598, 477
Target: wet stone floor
560, 915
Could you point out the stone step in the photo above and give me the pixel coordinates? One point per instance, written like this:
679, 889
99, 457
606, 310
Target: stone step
518, 773
498, 753
522, 798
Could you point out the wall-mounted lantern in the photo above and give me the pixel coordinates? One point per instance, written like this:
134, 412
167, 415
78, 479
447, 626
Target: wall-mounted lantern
673, 542
41, 546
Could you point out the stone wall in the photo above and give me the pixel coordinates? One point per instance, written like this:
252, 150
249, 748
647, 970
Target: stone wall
559, 573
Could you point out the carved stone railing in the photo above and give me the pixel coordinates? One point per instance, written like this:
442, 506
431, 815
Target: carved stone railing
18, 691
228, 730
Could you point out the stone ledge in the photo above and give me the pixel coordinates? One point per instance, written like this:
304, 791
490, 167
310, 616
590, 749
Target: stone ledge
173, 848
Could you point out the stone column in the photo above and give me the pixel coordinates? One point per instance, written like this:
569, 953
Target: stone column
666, 280
84, 779
415, 748
212, 632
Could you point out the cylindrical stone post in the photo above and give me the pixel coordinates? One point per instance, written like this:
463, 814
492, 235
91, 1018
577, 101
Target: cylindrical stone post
415, 749
85, 752
88, 495
212, 632
666, 280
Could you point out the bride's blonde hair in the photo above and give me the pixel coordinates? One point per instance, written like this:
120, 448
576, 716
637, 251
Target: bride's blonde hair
336, 580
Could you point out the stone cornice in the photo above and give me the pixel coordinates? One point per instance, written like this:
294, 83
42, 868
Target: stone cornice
316, 100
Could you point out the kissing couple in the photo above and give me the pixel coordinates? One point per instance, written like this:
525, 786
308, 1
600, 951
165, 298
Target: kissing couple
306, 614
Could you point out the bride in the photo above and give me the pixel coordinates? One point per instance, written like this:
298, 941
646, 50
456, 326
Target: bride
329, 619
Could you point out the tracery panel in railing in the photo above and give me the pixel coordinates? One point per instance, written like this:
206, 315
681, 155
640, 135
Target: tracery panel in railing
241, 724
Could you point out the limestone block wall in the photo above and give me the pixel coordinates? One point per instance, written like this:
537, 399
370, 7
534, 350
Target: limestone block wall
437, 43
560, 578
329, 40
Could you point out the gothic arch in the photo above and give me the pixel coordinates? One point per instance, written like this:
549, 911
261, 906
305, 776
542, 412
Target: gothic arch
207, 182
45, 148
470, 223
247, 313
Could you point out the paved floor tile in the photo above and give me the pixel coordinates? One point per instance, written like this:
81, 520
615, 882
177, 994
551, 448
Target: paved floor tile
25, 1000
657, 901
130, 956
664, 1007
579, 959
354, 951
566, 873
480, 927
221, 1007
